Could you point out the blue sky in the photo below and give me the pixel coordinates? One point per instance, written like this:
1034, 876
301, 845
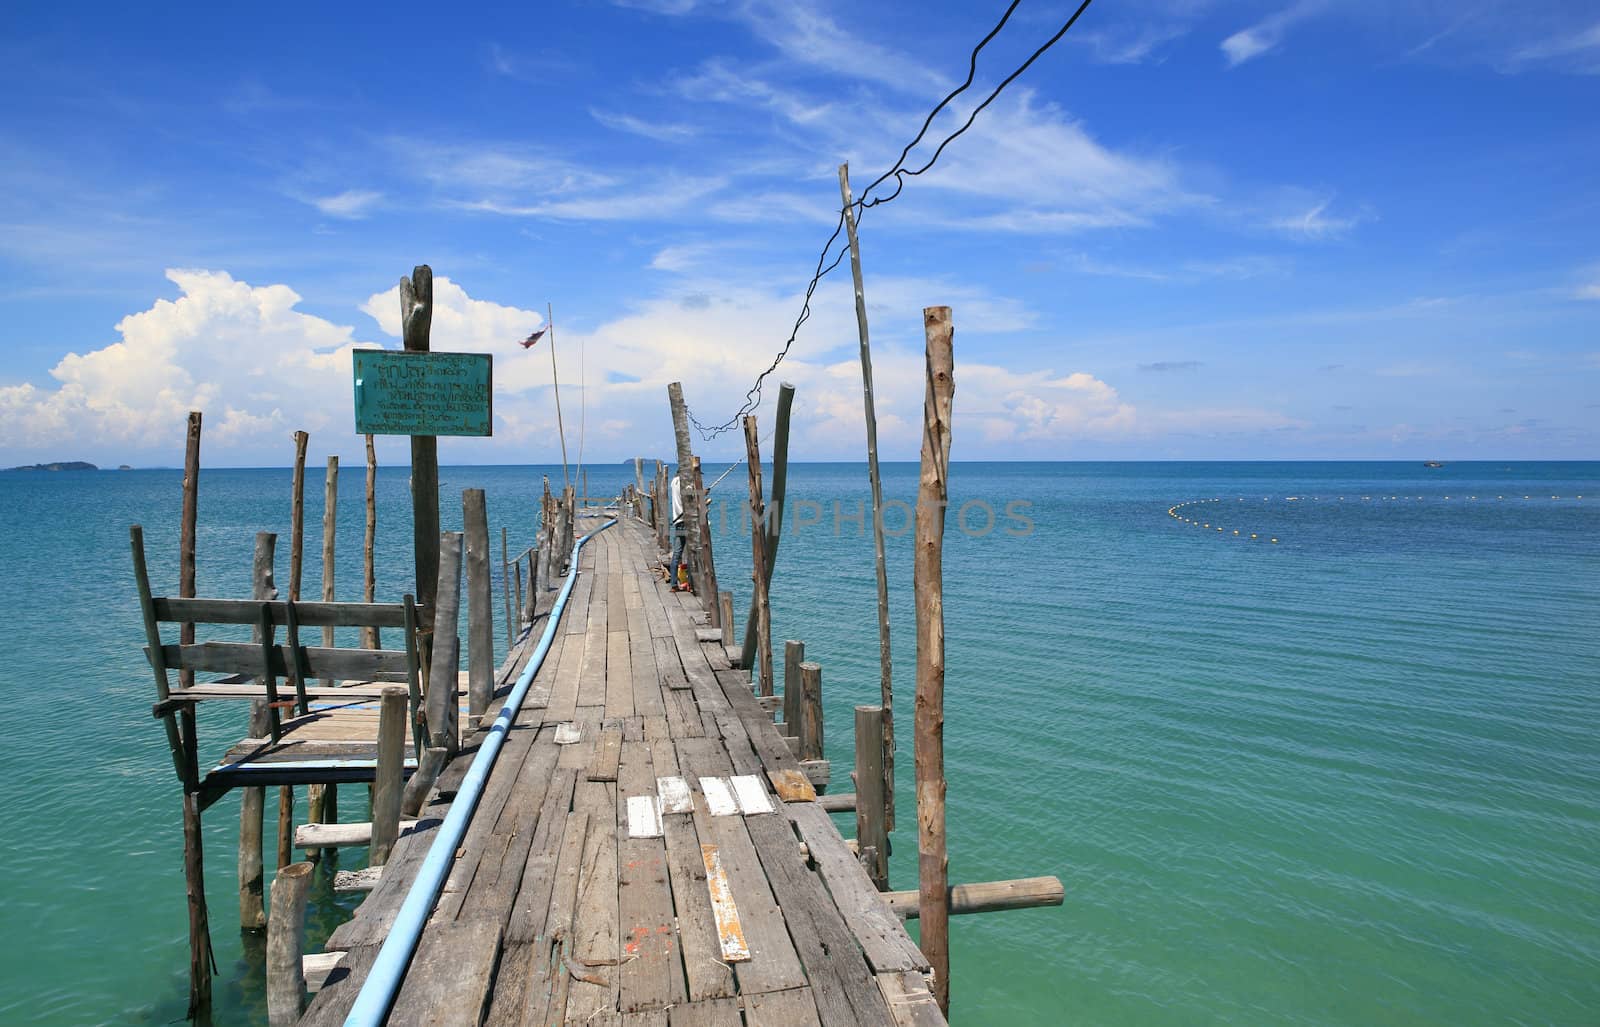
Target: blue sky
1192, 230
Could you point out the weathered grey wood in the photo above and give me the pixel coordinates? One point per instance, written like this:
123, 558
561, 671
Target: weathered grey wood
416, 321
794, 654
651, 974
505, 586
450, 976
387, 785
444, 684
986, 896
876, 929
297, 516
369, 580
706, 592
187, 528
910, 1002
416, 791
810, 711
871, 827
880, 564
286, 938
285, 825
252, 801
685, 453
774, 528
247, 658
607, 753
245, 611
838, 802
758, 555
363, 880
154, 651
317, 966
933, 492
710, 1012
330, 507
200, 957
726, 606
792, 1008
480, 600
334, 836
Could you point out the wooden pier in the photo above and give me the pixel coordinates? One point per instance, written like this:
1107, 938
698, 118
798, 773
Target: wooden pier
648, 848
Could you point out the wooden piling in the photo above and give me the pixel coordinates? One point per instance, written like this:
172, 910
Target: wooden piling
480, 608
297, 525
533, 575
369, 580
416, 321
794, 654
191, 506
810, 711
774, 527
986, 896
252, 801
885, 675
330, 520
286, 940
505, 586
285, 826
201, 961
727, 618
758, 555
388, 780
429, 764
691, 523
871, 830
707, 591
933, 862
443, 691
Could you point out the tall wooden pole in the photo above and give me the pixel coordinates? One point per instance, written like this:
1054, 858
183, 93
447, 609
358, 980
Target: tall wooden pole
705, 590
555, 385
330, 521
252, 801
369, 579
480, 604
885, 679
201, 960
691, 522
416, 321
774, 530
758, 553
933, 491
297, 530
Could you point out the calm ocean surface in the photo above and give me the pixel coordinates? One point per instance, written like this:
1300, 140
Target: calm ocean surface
1349, 778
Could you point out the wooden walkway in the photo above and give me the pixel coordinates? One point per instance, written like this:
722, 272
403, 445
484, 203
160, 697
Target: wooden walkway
590, 890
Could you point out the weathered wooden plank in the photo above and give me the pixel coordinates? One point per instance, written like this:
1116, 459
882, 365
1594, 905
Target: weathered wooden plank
596, 947
706, 974
792, 1008
619, 675
910, 1002
710, 1012
651, 972
720, 801
172, 609
876, 928
673, 795
245, 659
607, 751
449, 978
644, 817
730, 931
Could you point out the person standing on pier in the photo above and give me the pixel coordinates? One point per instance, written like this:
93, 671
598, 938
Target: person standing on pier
679, 578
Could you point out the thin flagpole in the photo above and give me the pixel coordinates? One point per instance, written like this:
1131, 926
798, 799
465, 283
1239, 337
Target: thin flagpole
550, 321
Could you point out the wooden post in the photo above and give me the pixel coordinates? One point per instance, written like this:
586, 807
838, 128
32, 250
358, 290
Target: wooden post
369, 581
443, 678
533, 574
758, 554
810, 711
780, 474
505, 585
252, 801
201, 960
416, 791
416, 320
871, 832
727, 619
885, 677
319, 797
933, 862
794, 654
986, 896
191, 502
707, 591
297, 525
388, 780
285, 826
480, 605
286, 940
691, 523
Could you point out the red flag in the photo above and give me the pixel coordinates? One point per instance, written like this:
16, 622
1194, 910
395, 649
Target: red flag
535, 337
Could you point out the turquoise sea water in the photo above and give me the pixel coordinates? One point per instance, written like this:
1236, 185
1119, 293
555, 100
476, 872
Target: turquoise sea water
1352, 777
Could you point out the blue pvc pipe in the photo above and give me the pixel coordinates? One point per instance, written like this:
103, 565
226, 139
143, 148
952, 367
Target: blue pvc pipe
383, 981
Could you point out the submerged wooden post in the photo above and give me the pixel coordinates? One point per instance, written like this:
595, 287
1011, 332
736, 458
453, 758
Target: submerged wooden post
758, 554
252, 801
871, 832
774, 527
201, 960
286, 939
933, 490
885, 675
444, 677
505, 585
388, 780
794, 654
810, 711
369, 581
416, 321
480, 605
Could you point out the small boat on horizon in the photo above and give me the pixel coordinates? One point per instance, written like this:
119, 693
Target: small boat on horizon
1431, 463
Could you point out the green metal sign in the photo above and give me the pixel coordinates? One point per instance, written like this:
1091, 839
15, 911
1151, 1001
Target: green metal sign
402, 393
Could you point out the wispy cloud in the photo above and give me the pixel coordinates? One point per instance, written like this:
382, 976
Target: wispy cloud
1160, 366
1580, 50
352, 203
1129, 44
1589, 287
661, 131
1266, 35
659, 201
1314, 222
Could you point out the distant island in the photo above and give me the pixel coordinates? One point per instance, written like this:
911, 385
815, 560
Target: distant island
65, 465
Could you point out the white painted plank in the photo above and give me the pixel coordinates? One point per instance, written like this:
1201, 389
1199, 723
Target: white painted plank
719, 796
644, 817
751, 792
568, 733
674, 795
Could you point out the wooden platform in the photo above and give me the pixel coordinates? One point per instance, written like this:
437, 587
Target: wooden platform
650, 871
